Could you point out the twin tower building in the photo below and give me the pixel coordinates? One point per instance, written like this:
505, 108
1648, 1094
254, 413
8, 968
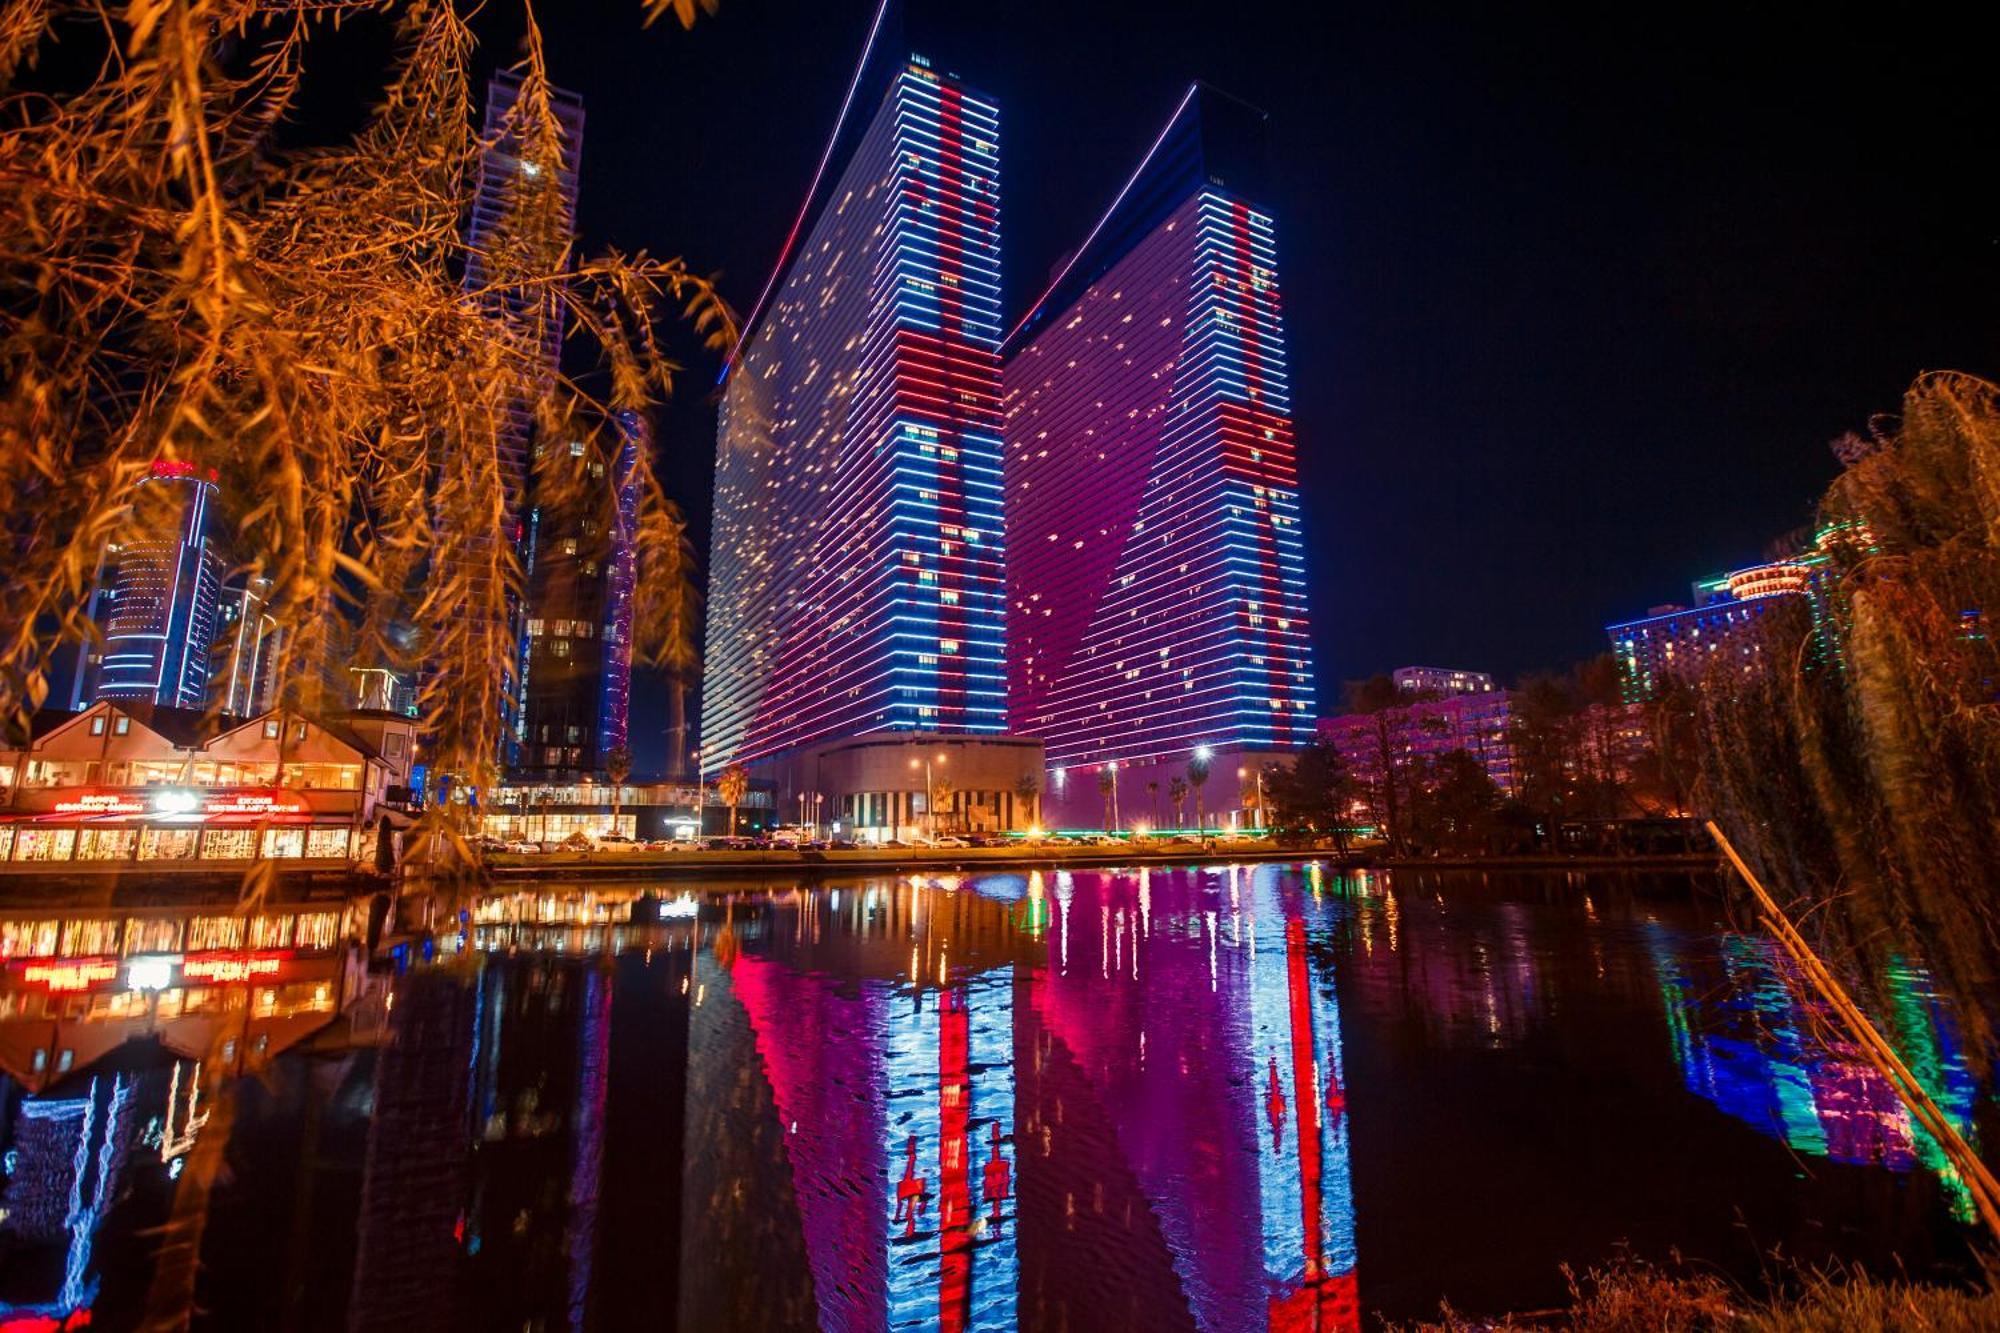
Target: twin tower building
966, 576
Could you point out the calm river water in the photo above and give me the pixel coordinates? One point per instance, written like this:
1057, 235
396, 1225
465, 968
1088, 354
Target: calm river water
1219, 1098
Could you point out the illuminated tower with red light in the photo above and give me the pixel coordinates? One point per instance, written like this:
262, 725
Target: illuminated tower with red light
165, 590
856, 572
1156, 580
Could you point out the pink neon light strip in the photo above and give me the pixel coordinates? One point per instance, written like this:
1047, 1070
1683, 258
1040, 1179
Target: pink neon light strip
812, 191
1084, 249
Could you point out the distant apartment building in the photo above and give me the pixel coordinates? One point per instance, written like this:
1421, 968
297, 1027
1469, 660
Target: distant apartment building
1441, 681
1425, 730
1725, 630
1728, 624
1155, 577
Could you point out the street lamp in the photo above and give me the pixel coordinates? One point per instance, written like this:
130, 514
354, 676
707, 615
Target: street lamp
700, 796
930, 815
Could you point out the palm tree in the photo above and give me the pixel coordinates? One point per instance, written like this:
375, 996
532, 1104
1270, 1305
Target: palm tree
1028, 787
617, 767
732, 787
1153, 800
941, 794
1177, 792
1107, 787
1197, 776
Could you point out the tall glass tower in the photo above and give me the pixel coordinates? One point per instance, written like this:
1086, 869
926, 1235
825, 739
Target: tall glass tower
1156, 583
856, 580
165, 586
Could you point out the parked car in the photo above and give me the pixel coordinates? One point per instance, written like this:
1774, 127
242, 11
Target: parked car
617, 842
843, 845
949, 840
521, 846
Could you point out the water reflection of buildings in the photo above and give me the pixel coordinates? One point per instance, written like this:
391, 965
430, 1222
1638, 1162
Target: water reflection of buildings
1181, 1053
1747, 1042
891, 1105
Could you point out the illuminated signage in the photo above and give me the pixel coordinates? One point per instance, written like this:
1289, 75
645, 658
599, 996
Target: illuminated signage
71, 974
231, 966
151, 972
253, 803
101, 803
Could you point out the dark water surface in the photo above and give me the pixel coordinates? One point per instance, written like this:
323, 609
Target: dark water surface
1219, 1098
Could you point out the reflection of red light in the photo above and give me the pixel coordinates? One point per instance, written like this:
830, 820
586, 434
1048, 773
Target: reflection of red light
44, 1323
71, 974
231, 966
167, 467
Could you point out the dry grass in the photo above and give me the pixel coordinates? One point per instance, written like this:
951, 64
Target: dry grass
1633, 1297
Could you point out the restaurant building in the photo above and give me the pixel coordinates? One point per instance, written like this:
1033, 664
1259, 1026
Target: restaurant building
122, 782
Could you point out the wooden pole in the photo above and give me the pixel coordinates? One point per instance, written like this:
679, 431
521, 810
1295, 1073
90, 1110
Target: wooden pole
1979, 1181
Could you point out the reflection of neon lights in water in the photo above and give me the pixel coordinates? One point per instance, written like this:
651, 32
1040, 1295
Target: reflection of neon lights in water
897, 1108
53, 1196
1745, 1042
1217, 1069
947, 1068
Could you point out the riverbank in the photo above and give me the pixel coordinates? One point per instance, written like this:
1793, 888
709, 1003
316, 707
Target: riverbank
1041, 856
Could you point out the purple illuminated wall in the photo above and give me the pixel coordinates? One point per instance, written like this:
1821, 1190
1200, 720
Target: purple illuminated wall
1156, 592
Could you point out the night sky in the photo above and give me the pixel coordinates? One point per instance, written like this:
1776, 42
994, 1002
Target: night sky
1574, 303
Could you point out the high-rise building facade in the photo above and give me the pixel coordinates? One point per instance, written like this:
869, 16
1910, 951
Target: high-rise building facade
248, 646
578, 670
856, 575
1156, 582
522, 224
165, 585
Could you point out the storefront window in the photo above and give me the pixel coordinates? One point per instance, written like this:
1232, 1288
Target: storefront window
327, 842
168, 844
29, 939
88, 937
106, 844
229, 844
284, 843
335, 777
152, 935
44, 844
271, 932
214, 932
6, 842
318, 930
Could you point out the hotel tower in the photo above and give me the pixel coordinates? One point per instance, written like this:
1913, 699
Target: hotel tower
1155, 578
856, 619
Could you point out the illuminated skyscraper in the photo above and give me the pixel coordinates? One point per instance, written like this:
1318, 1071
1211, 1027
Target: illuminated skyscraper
1156, 582
856, 576
508, 232
579, 662
165, 585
